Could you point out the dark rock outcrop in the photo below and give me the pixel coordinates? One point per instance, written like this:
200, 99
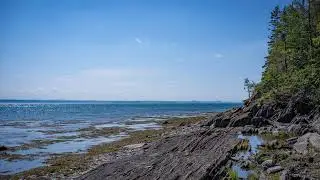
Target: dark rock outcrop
259, 121
299, 104
241, 120
286, 115
222, 119
265, 111
297, 109
3, 148
315, 120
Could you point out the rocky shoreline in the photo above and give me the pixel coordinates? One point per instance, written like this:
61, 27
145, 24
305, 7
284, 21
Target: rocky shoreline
209, 147
291, 149
199, 154
71, 165
291, 125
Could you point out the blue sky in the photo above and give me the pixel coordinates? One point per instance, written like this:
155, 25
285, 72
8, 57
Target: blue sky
131, 49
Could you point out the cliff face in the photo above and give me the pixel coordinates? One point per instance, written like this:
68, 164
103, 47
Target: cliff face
296, 113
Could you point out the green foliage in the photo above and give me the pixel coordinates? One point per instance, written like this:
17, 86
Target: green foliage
233, 175
274, 176
293, 60
253, 176
249, 86
243, 145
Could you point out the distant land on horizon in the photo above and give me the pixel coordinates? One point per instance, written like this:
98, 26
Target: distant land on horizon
110, 101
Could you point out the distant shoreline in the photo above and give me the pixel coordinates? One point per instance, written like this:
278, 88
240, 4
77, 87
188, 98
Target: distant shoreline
109, 101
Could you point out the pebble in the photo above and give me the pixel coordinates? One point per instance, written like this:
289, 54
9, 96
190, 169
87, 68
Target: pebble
274, 169
266, 164
291, 141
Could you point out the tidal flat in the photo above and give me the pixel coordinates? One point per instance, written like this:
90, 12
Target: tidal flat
33, 133
68, 154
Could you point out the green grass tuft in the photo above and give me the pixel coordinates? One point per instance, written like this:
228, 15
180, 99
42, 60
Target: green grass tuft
243, 145
233, 175
253, 176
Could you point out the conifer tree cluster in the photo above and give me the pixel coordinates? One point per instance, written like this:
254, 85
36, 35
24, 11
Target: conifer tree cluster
293, 60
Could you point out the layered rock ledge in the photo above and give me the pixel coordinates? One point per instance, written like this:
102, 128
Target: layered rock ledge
206, 152
201, 154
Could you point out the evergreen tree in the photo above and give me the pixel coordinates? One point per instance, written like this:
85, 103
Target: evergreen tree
249, 86
293, 60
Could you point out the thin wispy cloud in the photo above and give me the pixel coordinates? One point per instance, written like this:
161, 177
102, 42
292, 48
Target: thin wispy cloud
218, 55
138, 40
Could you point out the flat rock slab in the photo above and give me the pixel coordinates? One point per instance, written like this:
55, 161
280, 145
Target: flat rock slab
274, 169
312, 139
315, 141
197, 155
134, 146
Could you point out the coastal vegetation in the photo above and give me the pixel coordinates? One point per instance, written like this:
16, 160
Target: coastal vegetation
233, 175
243, 145
249, 86
293, 60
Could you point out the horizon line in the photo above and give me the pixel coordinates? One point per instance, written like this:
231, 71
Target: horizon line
72, 100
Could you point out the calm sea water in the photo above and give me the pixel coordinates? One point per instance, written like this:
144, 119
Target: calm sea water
101, 111
23, 122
